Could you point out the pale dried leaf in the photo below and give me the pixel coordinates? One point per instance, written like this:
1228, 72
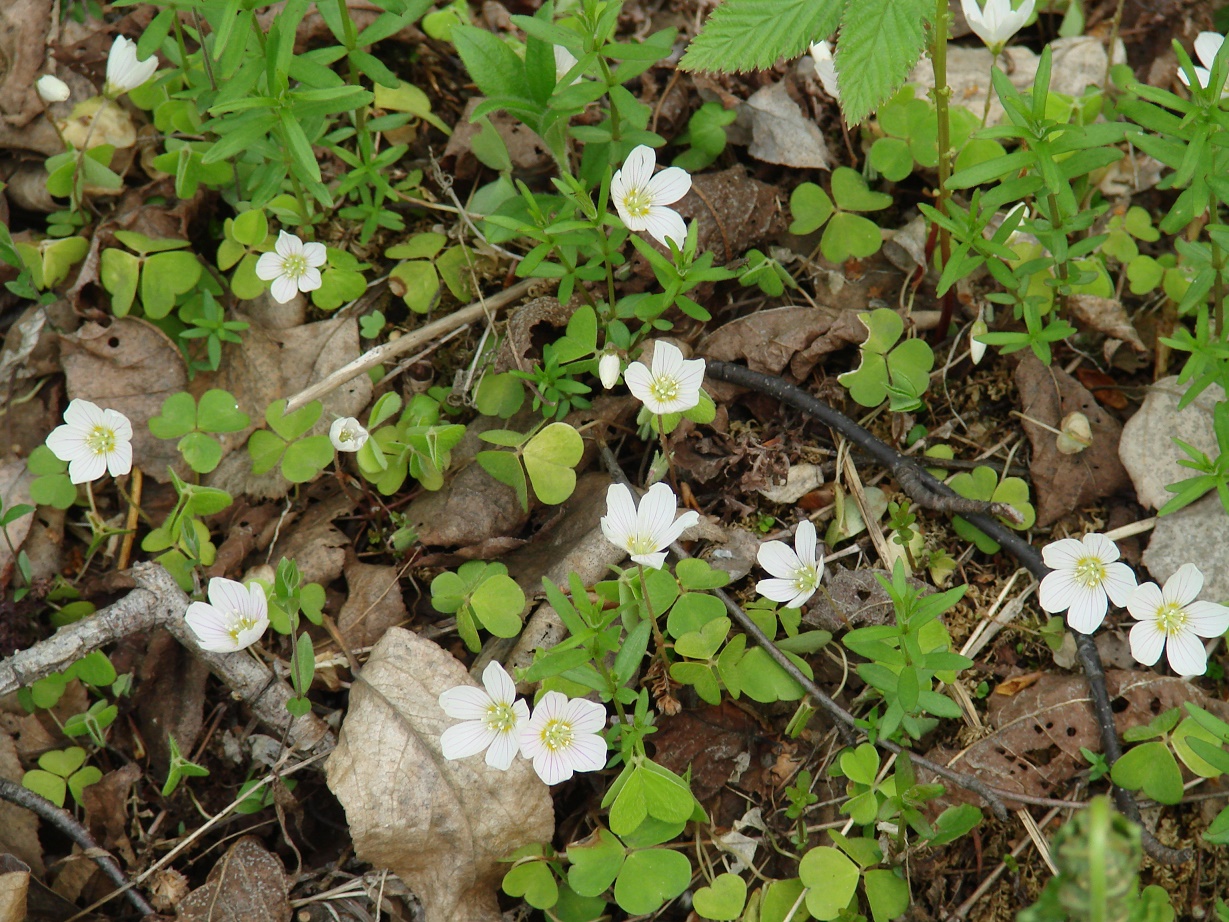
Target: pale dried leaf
442, 826
248, 884
781, 133
1106, 315
18, 826
793, 337
373, 602
15, 483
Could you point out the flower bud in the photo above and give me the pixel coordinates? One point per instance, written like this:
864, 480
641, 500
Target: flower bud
977, 350
347, 434
608, 369
52, 89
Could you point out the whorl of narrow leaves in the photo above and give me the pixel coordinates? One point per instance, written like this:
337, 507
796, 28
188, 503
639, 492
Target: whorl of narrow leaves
744, 35
880, 41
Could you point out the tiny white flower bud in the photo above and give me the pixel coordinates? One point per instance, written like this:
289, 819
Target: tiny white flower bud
52, 89
1076, 434
977, 350
608, 369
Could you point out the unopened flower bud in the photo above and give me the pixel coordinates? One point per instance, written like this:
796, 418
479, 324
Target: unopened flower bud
608, 369
52, 89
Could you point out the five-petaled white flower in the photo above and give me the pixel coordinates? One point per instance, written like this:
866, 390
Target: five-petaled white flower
797, 571
672, 385
234, 618
608, 368
493, 719
998, 22
293, 266
93, 441
1084, 572
347, 434
645, 532
641, 198
1207, 44
51, 88
564, 62
1171, 618
124, 71
825, 69
563, 737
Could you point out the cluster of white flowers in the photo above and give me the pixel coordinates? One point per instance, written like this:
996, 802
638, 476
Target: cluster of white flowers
1086, 574
562, 737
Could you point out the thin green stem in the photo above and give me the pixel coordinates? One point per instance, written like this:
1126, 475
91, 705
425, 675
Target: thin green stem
1218, 281
941, 94
658, 637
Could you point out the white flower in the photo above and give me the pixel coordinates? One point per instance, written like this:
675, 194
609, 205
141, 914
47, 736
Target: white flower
825, 69
493, 719
564, 62
294, 266
124, 71
998, 22
797, 571
347, 434
645, 532
234, 618
1083, 573
1171, 618
52, 89
93, 441
563, 737
641, 198
1207, 44
977, 349
671, 386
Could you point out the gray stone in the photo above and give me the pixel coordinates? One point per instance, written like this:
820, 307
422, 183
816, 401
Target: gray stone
1147, 449
1198, 534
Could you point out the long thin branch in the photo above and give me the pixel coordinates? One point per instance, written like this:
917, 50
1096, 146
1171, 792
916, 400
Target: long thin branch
159, 602
924, 489
64, 821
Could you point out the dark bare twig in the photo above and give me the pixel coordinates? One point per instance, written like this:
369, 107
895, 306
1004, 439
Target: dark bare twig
910, 475
64, 821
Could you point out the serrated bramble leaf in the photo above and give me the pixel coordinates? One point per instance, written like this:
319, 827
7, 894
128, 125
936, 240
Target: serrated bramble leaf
744, 35
879, 44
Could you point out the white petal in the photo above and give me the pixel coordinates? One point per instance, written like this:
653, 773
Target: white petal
503, 750
588, 753
87, 468
119, 460
248, 636
1101, 547
1207, 44
1207, 619
779, 590
310, 280
653, 561
668, 186
638, 167
257, 603
1147, 642
805, 541
685, 521
1087, 610
283, 289
639, 380
690, 376
656, 513
552, 767
665, 224
83, 415
667, 359
1145, 602
228, 595
778, 558
800, 599
288, 245
1057, 591
1184, 586
269, 266
210, 627
1186, 654
498, 683
118, 423
466, 739
315, 254
67, 443
1064, 554
586, 716
464, 702
619, 523
1119, 583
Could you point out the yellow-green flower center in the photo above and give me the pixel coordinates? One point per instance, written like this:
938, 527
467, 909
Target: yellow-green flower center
294, 265
637, 203
557, 735
641, 544
239, 622
1171, 618
1089, 572
664, 388
806, 579
101, 440
500, 717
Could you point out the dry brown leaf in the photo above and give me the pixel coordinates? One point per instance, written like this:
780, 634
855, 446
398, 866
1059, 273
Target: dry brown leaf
797, 337
15, 483
782, 133
106, 810
1063, 483
1106, 315
248, 884
733, 211
18, 826
315, 543
859, 599
442, 826
24, 25
274, 364
130, 366
1035, 746
170, 697
373, 602
13, 888
1017, 684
